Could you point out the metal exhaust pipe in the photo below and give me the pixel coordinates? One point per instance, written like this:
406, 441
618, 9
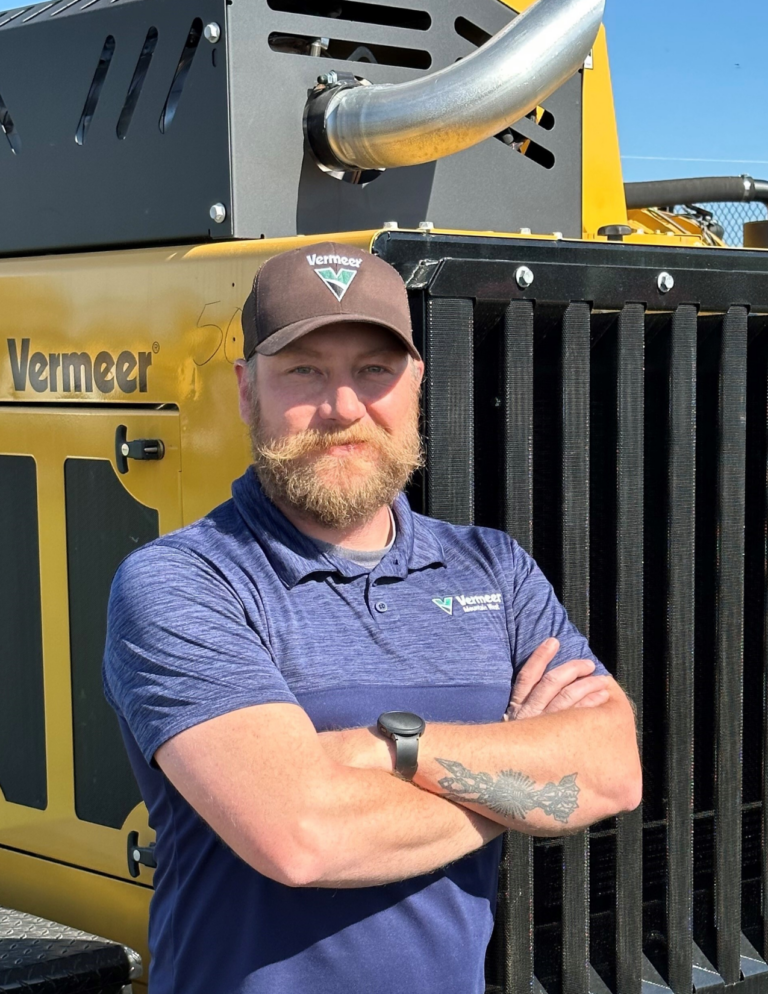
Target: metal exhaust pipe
351, 125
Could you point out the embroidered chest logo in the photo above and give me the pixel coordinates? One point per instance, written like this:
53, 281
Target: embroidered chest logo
337, 281
444, 603
471, 604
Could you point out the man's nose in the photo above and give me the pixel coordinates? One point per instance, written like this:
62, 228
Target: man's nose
343, 405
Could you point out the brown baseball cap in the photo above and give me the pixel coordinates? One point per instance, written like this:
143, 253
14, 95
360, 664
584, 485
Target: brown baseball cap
298, 291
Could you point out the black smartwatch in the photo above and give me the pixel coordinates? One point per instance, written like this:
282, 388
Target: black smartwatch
404, 729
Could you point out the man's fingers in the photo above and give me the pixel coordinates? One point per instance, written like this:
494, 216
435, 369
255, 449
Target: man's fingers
594, 700
576, 693
552, 683
533, 670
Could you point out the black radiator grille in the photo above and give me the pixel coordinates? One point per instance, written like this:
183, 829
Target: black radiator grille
624, 444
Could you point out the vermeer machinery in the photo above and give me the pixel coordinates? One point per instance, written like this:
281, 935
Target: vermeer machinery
597, 385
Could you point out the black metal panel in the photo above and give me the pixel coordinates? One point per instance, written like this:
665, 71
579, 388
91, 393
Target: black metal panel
449, 491
78, 184
575, 556
104, 524
22, 701
730, 641
681, 545
516, 878
607, 275
518, 422
629, 627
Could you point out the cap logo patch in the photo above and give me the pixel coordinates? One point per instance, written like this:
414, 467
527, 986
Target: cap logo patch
338, 281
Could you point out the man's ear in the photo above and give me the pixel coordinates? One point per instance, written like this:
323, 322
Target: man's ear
245, 390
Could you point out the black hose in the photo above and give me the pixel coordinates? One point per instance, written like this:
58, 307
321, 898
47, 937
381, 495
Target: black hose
700, 190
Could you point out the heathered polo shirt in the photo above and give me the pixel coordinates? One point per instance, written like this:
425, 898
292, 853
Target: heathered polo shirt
241, 609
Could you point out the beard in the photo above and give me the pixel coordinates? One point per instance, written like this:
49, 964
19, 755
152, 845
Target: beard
342, 490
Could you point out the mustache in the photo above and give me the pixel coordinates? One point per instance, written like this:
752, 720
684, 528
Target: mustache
311, 441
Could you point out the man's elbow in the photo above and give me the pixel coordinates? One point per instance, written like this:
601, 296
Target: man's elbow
626, 791
299, 855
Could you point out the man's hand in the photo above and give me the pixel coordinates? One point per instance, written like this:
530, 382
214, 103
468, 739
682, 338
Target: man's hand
570, 685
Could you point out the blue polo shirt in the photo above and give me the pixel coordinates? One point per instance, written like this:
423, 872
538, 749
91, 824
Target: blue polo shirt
241, 609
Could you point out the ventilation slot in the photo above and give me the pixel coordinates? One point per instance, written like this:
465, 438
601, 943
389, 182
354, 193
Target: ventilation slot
61, 10
527, 147
471, 32
134, 90
9, 129
180, 76
352, 10
352, 51
39, 11
94, 93
14, 16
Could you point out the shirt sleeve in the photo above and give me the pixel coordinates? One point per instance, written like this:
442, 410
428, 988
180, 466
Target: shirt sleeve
539, 615
179, 648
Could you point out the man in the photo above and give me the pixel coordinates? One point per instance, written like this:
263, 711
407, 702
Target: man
251, 655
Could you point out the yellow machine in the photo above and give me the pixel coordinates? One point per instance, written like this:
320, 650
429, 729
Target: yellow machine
128, 249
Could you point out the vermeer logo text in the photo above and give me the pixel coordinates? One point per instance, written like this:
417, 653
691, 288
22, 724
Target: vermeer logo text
77, 372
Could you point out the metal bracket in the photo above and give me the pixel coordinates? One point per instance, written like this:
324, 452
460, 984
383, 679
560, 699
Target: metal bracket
139, 448
139, 855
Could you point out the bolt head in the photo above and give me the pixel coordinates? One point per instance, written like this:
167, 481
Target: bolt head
218, 213
665, 282
328, 79
426, 226
390, 225
212, 32
524, 277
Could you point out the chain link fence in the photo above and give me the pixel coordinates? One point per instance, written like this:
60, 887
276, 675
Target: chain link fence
733, 217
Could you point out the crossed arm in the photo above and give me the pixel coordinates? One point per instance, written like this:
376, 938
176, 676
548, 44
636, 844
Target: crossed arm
326, 811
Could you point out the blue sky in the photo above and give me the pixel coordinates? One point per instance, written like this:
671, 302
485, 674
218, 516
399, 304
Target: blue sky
690, 81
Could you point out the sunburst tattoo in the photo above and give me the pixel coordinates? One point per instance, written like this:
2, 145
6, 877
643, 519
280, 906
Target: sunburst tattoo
511, 793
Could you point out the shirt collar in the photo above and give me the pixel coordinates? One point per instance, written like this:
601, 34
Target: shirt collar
294, 556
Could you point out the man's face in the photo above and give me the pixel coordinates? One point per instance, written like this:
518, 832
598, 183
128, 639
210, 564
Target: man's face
334, 422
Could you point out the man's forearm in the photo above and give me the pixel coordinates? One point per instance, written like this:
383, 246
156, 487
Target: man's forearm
545, 776
373, 829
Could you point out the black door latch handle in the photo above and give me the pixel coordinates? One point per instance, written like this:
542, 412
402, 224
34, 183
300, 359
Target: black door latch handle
144, 855
139, 448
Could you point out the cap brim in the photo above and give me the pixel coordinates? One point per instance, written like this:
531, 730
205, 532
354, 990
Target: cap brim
291, 332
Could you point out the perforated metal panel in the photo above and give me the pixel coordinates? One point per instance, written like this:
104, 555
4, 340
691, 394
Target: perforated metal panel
124, 125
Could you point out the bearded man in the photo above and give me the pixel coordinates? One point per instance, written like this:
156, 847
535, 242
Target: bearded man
313, 681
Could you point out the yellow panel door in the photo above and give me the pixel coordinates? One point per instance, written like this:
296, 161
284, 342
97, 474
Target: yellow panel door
68, 516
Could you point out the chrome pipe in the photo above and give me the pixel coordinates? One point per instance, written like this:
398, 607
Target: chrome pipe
382, 126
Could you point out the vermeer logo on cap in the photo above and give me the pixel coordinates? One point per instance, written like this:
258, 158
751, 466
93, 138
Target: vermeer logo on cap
337, 280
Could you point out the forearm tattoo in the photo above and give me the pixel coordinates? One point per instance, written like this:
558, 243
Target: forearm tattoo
511, 793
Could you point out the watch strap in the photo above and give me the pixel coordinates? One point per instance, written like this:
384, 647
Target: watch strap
406, 755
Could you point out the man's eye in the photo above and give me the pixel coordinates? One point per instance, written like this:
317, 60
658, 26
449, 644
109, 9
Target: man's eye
303, 370
376, 369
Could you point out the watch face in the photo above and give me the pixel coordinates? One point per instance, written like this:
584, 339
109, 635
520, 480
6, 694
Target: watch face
402, 723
